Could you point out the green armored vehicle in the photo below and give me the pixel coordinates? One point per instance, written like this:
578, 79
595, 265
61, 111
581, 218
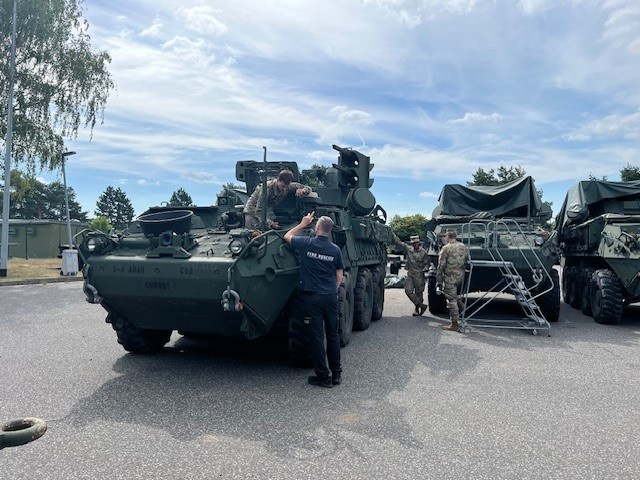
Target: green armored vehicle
598, 229
197, 270
502, 226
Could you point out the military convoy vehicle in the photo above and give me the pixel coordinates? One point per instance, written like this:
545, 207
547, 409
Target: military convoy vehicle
504, 226
197, 270
598, 229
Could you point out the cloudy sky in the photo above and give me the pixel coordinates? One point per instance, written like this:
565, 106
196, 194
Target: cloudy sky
429, 89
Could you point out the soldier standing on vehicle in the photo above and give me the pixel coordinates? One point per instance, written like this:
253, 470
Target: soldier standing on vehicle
450, 274
321, 272
417, 264
277, 190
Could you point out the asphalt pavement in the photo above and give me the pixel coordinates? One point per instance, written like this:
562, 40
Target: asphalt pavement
416, 401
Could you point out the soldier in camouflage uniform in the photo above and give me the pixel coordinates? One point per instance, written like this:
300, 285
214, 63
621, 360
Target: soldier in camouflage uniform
277, 190
417, 264
450, 274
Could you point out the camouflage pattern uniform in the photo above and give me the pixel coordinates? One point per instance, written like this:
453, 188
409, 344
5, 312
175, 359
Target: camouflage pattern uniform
417, 264
253, 207
450, 274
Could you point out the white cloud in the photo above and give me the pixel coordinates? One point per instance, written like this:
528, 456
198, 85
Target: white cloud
153, 30
430, 195
476, 117
412, 13
202, 19
184, 45
399, 161
622, 27
201, 177
352, 117
534, 7
578, 137
145, 182
622, 126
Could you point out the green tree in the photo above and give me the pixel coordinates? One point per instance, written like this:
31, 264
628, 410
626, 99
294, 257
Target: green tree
483, 178
60, 82
314, 176
593, 177
56, 205
101, 223
408, 225
180, 198
630, 173
114, 204
502, 176
31, 198
493, 178
23, 194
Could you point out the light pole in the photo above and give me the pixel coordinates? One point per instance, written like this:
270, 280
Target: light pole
66, 197
6, 198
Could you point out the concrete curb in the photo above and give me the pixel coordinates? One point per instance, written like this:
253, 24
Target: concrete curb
36, 281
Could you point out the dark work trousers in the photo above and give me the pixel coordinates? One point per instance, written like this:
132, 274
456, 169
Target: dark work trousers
323, 310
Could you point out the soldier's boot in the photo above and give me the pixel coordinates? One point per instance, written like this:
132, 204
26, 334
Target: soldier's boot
453, 327
416, 312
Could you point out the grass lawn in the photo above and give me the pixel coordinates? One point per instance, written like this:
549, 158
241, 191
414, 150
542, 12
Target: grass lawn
35, 268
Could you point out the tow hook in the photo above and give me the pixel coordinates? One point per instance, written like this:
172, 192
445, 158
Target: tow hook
231, 301
91, 292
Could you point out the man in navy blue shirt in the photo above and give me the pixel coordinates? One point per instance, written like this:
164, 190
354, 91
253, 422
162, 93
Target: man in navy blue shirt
321, 270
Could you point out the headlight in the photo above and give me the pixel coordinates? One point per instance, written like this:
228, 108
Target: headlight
539, 240
92, 244
236, 246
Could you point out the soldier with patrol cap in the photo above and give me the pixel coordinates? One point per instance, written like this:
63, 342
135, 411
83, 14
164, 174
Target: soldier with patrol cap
277, 190
450, 274
417, 264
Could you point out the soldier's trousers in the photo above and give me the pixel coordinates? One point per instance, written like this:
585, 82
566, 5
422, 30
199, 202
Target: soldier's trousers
454, 302
414, 288
251, 221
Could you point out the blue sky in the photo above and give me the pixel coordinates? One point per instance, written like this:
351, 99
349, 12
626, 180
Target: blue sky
430, 89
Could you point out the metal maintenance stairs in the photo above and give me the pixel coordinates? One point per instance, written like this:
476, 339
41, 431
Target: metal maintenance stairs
510, 281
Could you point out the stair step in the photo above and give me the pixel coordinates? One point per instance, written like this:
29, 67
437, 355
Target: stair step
512, 276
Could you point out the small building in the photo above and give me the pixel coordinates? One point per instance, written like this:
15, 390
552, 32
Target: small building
39, 238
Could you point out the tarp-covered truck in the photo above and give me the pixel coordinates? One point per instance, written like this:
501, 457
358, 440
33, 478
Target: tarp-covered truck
598, 228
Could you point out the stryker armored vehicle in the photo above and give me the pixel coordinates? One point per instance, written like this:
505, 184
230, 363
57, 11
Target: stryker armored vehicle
598, 229
504, 226
197, 270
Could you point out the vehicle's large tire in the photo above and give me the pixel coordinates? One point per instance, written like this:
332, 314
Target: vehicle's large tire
586, 289
138, 340
437, 303
378, 274
299, 339
576, 283
298, 333
363, 299
549, 302
566, 284
606, 297
570, 286
345, 310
